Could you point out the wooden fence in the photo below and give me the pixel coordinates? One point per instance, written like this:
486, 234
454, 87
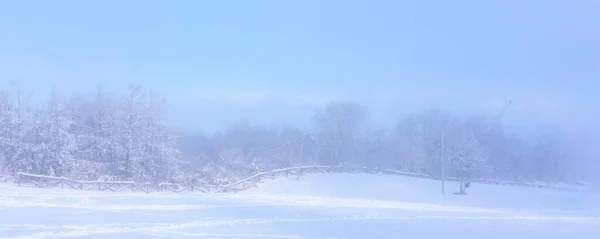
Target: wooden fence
42, 181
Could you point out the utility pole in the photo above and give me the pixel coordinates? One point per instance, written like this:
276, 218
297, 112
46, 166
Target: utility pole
442, 163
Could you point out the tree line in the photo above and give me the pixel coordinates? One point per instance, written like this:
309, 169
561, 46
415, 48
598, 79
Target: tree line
433, 142
127, 138
106, 137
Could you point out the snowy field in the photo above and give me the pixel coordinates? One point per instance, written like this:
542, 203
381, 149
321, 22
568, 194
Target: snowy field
317, 206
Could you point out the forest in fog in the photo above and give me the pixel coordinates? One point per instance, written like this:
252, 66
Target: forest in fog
126, 137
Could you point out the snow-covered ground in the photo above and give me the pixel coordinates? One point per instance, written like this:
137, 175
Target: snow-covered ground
317, 206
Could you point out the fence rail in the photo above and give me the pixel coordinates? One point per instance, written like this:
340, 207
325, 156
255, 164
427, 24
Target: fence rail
43, 181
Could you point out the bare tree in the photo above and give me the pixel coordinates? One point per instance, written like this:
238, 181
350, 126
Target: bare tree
339, 126
409, 148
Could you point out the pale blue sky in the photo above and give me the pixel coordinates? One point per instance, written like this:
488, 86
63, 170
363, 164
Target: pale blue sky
219, 61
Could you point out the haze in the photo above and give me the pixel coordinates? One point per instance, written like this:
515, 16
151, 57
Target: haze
275, 62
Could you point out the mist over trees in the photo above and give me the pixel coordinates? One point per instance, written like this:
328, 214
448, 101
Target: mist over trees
122, 137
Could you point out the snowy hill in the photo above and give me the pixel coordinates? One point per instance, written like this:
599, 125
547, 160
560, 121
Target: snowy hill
407, 189
316, 206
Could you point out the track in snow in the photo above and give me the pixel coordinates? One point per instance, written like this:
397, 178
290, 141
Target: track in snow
305, 211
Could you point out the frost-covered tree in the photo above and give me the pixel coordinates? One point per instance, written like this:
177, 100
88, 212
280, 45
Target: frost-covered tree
161, 155
518, 159
409, 148
236, 161
490, 134
551, 154
15, 116
290, 146
281, 150
435, 127
465, 154
103, 130
375, 148
8, 138
339, 126
95, 129
56, 140
130, 132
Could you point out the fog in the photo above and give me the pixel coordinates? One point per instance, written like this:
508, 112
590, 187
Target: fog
193, 91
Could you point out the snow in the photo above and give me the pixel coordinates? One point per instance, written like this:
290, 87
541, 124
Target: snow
316, 206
